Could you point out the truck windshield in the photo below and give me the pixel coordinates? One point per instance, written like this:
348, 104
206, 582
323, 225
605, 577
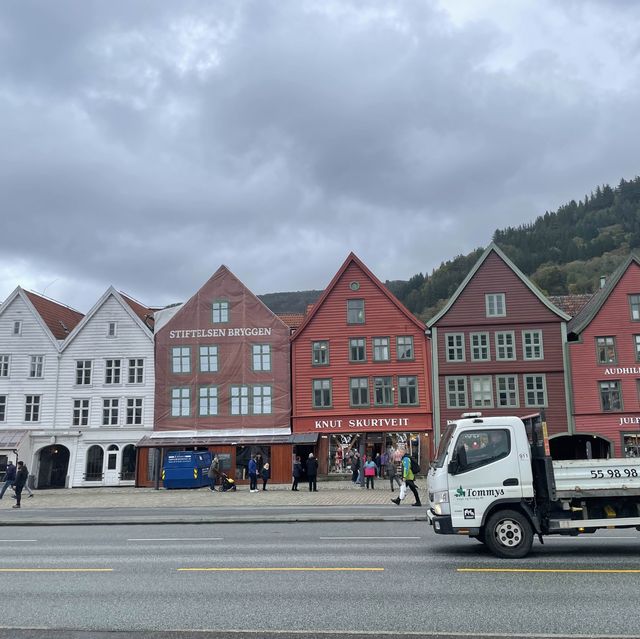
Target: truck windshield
442, 447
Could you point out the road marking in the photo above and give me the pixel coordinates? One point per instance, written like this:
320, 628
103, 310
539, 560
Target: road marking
15, 541
281, 569
370, 537
56, 569
554, 570
178, 539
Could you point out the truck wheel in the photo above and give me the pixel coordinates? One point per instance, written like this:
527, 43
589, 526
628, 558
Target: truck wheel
508, 534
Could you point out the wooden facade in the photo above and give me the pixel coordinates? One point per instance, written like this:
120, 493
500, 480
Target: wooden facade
499, 347
604, 348
360, 371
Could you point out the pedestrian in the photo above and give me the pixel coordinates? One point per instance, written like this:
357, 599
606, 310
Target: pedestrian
259, 463
214, 472
370, 472
265, 474
297, 472
377, 459
355, 468
9, 478
253, 475
19, 483
312, 473
408, 477
392, 472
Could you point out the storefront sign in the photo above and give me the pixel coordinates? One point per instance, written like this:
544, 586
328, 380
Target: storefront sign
629, 370
219, 332
359, 424
624, 421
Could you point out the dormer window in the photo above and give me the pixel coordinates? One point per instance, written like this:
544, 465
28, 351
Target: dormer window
17, 328
112, 329
495, 305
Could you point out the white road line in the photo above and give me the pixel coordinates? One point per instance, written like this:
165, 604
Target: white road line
15, 541
369, 538
590, 538
180, 539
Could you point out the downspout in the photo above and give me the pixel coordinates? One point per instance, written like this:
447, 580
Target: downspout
571, 427
435, 388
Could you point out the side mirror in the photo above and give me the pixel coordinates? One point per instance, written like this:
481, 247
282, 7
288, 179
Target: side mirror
459, 461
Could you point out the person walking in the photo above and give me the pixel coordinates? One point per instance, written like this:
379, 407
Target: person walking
312, 473
297, 472
392, 472
253, 475
408, 478
265, 474
21, 479
355, 468
9, 478
370, 468
214, 472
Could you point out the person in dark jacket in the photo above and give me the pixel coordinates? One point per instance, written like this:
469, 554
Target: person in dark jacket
297, 472
312, 473
253, 475
21, 479
265, 473
355, 468
9, 478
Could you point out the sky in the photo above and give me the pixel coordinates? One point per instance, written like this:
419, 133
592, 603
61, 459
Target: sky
145, 143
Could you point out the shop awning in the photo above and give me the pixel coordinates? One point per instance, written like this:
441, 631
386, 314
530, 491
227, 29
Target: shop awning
11, 439
171, 441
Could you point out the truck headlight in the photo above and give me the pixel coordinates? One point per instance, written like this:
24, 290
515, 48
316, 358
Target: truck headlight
440, 502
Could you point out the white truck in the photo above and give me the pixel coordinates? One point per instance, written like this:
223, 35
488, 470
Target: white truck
494, 480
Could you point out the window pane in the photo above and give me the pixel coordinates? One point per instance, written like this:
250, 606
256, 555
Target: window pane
355, 311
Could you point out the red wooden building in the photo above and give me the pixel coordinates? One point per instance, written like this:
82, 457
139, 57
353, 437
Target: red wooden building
360, 370
604, 347
222, 381
499, 347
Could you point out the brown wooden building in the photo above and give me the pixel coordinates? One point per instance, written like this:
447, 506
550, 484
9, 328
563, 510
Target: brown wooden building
222, 373
360, 370
499, 347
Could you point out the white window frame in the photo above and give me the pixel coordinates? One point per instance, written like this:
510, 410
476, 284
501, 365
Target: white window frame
115, 369
495, 304
532, 347
84, 372
110, 411
540, 377
181, 401
511, 395
482, 396
32, 408
17, 328
239, 399
112, 329
80, 412
5, 365
4, 401
207, 401
208, 358
135, 411
36, 367
135, 370
477, 343
454, 395
457, 345
260, 357
261, 400
504, 346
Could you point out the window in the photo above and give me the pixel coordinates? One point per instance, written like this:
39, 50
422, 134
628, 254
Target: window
382, 391
111, 329
110, 407
261, 357
181, 359
220, 311
535, 390
456, 392
481, 392
479, 347
455, 347
404, 347
128, 464
4, 365
407, 391
357, 349
481, 447
32, 408
320, 353
136, 371
134, 411
507, 391
17, 328
606, 350
631, 444
532, 345
208, 359
610, 396
80, 412
261, 396
359, 391
380, 349
36, 366
636, 347
322, 393
3, 408
112, 371
634, 305
95, 460
239, 400
505, 345
208, 400
355, 311
495, 305
83, 372
180, 402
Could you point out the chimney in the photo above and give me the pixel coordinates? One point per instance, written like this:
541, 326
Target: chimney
603, 281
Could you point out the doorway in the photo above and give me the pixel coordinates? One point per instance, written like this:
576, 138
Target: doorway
111, 474
53, 466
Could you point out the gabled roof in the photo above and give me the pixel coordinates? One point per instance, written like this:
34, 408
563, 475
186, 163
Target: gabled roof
145, 313
571, 304
494, 248
353, 258
292, 320
590, 310
124, 302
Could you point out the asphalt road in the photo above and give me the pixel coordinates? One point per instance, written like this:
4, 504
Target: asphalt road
282, 580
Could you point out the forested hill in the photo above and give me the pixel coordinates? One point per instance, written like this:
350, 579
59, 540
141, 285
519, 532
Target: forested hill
565, 251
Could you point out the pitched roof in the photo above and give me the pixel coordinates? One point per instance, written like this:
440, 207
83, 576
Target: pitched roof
145, 313
353, 258
60, 319
571, 304
590, 310
292, 320
494, 248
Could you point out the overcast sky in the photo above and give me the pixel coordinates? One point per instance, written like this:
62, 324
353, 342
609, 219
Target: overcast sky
143, 144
